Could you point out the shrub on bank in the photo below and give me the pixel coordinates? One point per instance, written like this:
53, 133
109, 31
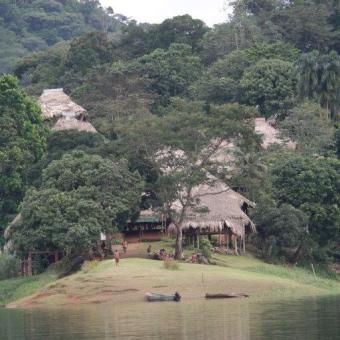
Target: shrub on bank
171, 264
9, 266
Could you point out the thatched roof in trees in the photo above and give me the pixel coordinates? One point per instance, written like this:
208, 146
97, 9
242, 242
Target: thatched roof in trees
8, 232
219, 208
66, 123
270, 134
56, 104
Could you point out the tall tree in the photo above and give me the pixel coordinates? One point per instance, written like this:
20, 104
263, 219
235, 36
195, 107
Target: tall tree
80, 197
22, 143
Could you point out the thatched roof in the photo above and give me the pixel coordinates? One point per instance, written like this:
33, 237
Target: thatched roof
67, 123
270, 134
55, 103
8, 233
219, 209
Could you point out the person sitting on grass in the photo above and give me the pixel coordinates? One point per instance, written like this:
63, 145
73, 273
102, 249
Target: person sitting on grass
148, 250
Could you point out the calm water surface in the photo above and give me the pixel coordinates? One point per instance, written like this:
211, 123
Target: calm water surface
239, 319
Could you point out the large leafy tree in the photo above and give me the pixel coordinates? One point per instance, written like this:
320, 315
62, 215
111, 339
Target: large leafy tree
187, 149
319, 79
22, 143
308, 126
172, 70
313, 186
270, 84
80, 197
180, 29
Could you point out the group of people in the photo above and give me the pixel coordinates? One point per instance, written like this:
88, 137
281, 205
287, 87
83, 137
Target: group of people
159, 255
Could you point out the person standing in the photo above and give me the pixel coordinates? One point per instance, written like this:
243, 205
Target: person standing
124, 245
116, 257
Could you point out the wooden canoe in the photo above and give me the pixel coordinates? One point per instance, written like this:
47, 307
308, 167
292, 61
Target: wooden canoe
161, 297
226, 296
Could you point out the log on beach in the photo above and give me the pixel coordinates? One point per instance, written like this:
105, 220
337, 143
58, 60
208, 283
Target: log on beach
226, 295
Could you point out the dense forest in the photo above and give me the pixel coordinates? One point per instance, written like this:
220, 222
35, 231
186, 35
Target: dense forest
177, 85
32, 25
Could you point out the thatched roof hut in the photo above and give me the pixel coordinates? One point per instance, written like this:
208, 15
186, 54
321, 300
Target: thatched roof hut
8, 233
270, 134
66, 123
56, 104
220, 209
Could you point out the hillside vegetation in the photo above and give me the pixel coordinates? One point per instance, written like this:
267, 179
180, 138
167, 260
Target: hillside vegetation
167, 96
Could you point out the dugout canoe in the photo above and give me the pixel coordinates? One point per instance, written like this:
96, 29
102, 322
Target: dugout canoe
152, 297
226, 295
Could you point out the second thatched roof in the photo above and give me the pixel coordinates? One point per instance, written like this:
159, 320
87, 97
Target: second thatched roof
66, 123
55, 103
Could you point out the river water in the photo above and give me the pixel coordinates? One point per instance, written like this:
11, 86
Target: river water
240, 319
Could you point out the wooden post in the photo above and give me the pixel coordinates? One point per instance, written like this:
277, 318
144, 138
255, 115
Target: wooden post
235, 245
244, 244
140, 234
227, 241
29, 265
198, 240
56, 257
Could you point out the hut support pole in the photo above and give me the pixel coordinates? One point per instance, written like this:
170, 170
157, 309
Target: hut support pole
244, 244
29, 264
227, 241
235, 245
198, 240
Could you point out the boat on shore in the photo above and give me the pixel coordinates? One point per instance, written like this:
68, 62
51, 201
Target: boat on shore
226, 295
152, 297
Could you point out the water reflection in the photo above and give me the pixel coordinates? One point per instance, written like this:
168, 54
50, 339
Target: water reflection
228, 319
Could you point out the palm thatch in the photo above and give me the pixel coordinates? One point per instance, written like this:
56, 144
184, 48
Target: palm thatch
69, 123
270, 134
219, 209
55, 103
8, 233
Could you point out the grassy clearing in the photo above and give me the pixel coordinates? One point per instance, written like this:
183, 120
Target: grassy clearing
102, 282
105, 283
18, 288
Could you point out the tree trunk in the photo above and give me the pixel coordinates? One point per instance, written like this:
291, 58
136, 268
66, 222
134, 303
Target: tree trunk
179, 240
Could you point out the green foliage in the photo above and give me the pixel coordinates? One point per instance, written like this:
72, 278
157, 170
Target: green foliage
172, 70
9, 266
181, 29
171, 264
28, 26
319, 79
206, 247
270, 84
80, 196
22, 143
311, 185
308, 126
281, 231
87, 51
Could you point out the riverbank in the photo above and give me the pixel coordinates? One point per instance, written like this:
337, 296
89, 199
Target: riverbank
102, 282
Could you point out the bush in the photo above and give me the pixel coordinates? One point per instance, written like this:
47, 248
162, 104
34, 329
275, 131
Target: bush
9, 266
89, 266
171, 264
206, 248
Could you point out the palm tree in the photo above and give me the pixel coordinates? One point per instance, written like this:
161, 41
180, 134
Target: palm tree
308, 75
